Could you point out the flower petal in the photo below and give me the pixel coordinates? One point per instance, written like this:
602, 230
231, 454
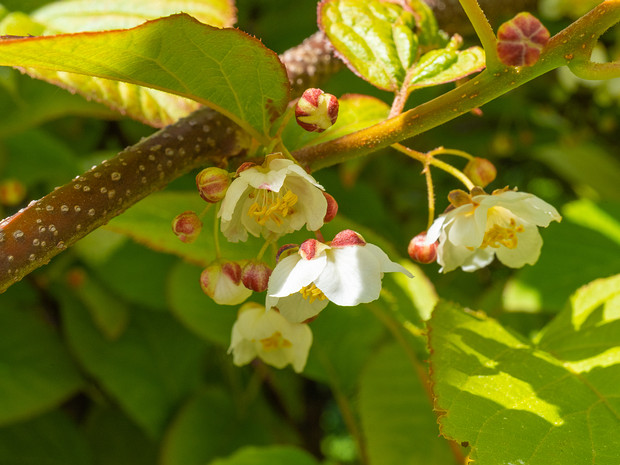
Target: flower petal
350, 277
467, 228
527, 250
296, 309
385, 264
478, 259
294, 273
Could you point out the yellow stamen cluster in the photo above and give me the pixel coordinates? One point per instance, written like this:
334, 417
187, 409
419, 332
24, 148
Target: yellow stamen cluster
272, 205
275, 342
311, 293
499, 235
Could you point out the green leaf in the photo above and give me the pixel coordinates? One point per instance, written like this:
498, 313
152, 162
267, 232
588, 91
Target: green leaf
110, 314
93, 15
238, 76
516, 403
149, 222
327, 361
33, 102
584, 247
355, 112
396, 413
210, 425
36, 372
364, 34
47, 440
195, 309
392, 45
276, 455
115, 440
147, 105
588, 167
446, 65
152, 366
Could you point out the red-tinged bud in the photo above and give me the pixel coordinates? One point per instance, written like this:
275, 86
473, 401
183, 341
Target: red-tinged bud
311, 248
520, 40
481, 171
255, 276
187, 226
316, 110
212, 184
244, 166
421, 250
221, 281
12, 192
347, 238
286, 250
332, 208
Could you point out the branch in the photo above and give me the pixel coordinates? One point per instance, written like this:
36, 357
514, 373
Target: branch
569, 44
31, 237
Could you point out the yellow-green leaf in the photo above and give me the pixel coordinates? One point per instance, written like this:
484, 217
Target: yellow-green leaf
224, 69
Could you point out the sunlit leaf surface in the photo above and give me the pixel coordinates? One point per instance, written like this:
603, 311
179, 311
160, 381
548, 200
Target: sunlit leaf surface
515, 402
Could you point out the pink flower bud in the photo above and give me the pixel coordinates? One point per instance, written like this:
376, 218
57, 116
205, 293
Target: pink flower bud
221, 281
481, 171
12, 192
332, 208
255, 276
421, 250
187, 226
347, 238
316, 111
212, 184
520, 40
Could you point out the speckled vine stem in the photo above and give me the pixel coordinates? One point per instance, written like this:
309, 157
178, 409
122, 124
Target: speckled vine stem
34, 235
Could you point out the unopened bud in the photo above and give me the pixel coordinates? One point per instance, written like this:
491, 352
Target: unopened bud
222, 282
332, 208
347, 238
481, 171
255, 276
422, 250
12, 192
212, 184
316, 111
521, 40
187, 226
286, 251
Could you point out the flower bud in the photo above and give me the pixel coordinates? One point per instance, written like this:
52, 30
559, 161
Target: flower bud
316, 111
187, 226
212, 184
332, 208
481, 171
521, 40
222, 282
255, 276
12, 192
286, 250
422, 250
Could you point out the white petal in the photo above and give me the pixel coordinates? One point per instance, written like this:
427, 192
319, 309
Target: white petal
228, 293
435, 230
235, 191
451, 256
311, 206
350, 277
468, 227
385, 264
527, 250
296, 309
299, 171
294, 273
479, 259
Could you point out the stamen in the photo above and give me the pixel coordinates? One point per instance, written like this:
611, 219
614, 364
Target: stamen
311, 293
275, 342
499, 235
269, 205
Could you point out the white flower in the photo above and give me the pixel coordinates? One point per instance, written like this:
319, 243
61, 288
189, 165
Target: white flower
269, 336
347, 272
221, 281
503, 224
276, 198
